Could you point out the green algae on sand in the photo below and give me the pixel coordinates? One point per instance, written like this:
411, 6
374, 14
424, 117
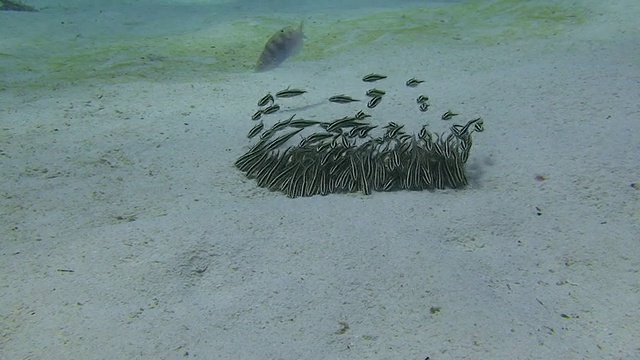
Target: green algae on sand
233, 46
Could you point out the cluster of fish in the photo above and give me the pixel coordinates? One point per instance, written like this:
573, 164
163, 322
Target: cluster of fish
344, 156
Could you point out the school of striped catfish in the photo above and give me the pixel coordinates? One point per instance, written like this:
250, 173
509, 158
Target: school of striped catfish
357, 152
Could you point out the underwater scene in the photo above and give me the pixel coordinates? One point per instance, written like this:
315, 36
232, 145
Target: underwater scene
247, 179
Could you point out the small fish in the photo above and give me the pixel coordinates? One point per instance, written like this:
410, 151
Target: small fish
424, 106
361, 131
354, 131
423, 132
389, 184
479, 125
361, 115
392, 132
271, 109
340, 123
342, 99
282, 123
378, 140
422, 99
336, 141
373, 77
321, 147
346, 143
267, 134
250, 157
313, 138
374, 102
448, 115
277, 180
257, 115
280, 140
266, 100
287, 93
364, 131
461, 131
413, 82
255, 130
407, 143
302, 123
328, 155
425, 135
375, 92
282, 45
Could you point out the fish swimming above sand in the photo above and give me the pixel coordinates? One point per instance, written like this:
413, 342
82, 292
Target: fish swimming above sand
282, 45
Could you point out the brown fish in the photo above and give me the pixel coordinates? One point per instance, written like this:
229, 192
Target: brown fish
281, 46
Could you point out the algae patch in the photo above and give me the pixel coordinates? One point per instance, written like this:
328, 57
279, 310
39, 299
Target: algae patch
234, 46
476, 22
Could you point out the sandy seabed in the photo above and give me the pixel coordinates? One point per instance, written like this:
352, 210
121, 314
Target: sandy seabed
127, 233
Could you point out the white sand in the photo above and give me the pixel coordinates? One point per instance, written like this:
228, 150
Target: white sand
174, 254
